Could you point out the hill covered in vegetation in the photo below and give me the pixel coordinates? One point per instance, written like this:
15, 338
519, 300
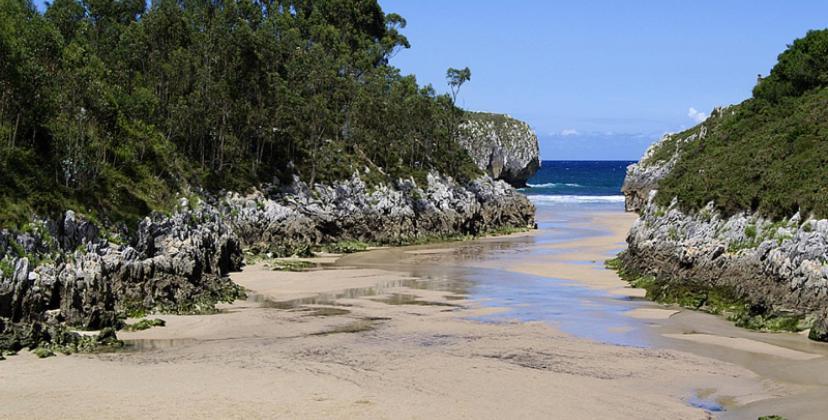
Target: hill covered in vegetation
112, 107
767, 155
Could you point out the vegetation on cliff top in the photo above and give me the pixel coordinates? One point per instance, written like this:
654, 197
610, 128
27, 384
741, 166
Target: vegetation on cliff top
111, 108
767, 155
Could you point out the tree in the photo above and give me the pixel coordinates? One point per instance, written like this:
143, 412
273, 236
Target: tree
456, 78
800, 68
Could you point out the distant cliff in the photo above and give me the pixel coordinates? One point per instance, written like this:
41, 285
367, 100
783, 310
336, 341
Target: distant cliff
502, 146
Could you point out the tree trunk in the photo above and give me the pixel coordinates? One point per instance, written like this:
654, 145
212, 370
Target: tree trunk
14, 136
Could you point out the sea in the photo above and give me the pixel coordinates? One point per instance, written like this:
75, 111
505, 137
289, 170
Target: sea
593, 184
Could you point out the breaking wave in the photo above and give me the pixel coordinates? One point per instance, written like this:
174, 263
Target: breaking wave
576, 198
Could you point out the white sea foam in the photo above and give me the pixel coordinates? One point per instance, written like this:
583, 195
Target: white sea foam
540, 199
552, 185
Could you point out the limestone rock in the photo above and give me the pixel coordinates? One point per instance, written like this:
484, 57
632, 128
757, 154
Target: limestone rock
181, 262
504, 147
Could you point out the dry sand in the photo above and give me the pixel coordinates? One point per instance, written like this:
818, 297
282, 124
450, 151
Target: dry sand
371, 343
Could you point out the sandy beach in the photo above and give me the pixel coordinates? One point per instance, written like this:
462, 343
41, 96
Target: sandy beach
390, 333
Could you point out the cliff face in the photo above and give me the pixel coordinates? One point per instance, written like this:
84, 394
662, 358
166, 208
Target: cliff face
504, 147
66, 274
778, 268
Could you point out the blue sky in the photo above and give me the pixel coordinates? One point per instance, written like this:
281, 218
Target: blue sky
601, 79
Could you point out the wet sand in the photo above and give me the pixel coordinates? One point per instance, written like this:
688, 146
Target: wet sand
419, 332
793, 368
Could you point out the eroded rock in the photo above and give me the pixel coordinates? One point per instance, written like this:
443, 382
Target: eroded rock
504, 147
180, 263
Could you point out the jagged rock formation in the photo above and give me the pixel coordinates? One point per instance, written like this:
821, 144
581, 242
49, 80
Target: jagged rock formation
349, 210
66, 274
777, 267
502, 146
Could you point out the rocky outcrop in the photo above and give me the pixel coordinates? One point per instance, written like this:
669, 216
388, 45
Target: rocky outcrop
178, 264
65, 274
350, 210
779, 268
504, 147
775, 265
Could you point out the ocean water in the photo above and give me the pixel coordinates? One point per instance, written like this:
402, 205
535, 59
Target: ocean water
597, 183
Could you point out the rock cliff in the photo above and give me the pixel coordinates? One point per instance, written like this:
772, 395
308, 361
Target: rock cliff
502, 146
776, 269
64, 274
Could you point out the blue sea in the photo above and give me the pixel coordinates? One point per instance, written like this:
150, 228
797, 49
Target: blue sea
578, 182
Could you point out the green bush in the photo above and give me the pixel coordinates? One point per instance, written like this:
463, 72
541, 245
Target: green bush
43, 352
802, 67
757, 157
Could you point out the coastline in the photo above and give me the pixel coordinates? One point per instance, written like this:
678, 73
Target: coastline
263, 210
361, 341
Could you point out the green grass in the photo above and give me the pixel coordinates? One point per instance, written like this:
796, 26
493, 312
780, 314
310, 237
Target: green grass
353, 327
291, 265
6, 268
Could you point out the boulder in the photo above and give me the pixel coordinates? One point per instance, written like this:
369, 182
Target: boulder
819, 331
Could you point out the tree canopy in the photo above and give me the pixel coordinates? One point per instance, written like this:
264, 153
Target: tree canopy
111, 107
800, 68
456, 78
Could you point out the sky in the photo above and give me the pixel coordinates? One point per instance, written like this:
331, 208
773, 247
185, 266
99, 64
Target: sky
601, 80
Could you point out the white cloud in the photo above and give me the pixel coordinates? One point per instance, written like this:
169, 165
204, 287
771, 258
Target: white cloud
695, 115
569, 132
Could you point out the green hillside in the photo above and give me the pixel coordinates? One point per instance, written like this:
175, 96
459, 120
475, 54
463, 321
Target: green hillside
111, 108
768, 154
